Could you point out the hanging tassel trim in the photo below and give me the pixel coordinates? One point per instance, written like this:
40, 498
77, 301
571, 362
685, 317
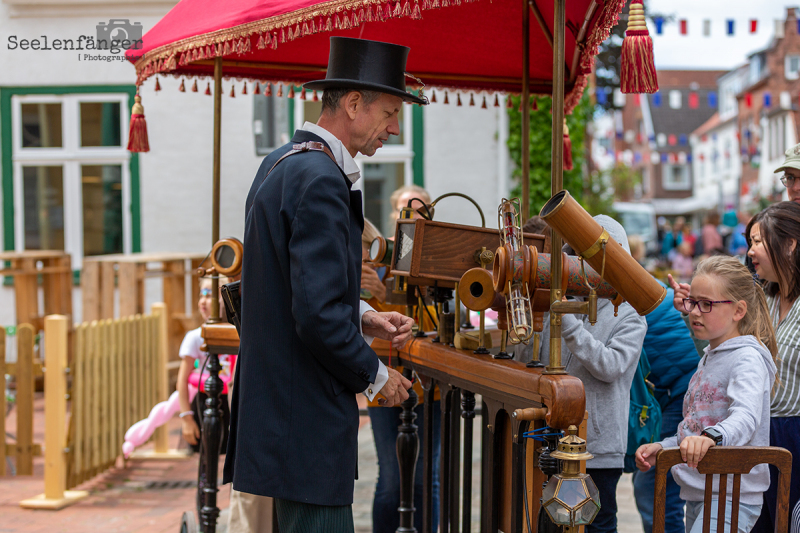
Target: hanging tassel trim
638, 70
137, 135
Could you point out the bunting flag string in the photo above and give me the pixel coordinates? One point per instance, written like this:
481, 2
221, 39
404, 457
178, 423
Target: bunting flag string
709, 26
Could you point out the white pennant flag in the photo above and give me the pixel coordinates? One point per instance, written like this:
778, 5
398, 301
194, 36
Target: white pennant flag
706, 27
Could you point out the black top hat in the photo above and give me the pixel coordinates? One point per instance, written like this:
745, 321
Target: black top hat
368, 65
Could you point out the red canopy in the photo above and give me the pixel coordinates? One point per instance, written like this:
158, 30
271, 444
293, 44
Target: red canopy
454, 44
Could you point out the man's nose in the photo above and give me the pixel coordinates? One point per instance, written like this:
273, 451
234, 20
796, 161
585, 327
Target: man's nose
394, 127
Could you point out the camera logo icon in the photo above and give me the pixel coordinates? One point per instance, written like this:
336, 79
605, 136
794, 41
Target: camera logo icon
119, 34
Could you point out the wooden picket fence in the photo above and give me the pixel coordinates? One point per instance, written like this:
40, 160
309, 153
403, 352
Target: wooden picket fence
24, 370
117, 374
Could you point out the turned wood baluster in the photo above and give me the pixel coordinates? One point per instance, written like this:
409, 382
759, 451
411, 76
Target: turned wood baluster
212, 437
407, 452
468, 414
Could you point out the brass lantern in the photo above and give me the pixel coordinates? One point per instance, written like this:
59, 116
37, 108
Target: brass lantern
571, 498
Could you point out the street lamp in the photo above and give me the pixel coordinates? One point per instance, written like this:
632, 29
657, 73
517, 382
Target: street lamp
571, 498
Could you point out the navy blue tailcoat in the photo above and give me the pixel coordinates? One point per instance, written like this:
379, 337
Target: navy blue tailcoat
302, 360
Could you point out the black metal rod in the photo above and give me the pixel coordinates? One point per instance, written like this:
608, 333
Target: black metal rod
468, 414
407, 452
212, 438
427, 461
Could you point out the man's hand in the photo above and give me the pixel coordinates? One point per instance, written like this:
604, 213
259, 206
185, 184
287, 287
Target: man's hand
646, 456
391, 326
694, 448
681, 292
395, 391
372, 282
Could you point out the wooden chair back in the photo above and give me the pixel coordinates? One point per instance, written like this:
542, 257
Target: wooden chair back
724, 461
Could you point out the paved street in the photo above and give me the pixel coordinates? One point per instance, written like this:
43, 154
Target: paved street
151, 496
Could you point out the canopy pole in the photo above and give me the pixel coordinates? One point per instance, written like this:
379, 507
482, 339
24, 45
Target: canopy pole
216, 176
526, 111
557, 181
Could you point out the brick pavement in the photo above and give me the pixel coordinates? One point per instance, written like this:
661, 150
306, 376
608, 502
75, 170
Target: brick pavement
151, 496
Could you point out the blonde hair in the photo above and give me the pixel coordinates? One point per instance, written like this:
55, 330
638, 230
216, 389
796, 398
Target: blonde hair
369, 234
416, 189
738, 284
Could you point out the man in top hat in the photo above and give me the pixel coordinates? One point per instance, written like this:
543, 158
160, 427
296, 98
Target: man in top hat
791, 173
304, 350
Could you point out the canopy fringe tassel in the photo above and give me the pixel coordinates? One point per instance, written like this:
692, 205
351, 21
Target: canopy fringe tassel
137, 135
638, 70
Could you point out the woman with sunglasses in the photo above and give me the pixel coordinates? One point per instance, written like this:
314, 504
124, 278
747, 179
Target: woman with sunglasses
727, 402
772, 240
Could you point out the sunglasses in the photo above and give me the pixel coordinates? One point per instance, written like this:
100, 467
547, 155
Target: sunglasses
705, 305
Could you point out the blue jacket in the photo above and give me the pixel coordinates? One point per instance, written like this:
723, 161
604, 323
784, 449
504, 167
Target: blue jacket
670, 350
302, 359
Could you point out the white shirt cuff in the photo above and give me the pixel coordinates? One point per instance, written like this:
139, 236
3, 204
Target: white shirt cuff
380, 381
363, 308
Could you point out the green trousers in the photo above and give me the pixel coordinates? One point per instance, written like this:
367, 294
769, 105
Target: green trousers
297, 517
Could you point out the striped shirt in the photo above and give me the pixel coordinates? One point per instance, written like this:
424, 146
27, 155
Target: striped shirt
786, 397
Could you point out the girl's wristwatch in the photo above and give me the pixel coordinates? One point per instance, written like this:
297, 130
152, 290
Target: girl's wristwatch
713, 434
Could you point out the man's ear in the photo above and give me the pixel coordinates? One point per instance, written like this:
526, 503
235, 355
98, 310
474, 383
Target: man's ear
351, 102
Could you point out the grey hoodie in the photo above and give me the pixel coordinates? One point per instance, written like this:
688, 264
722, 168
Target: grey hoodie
604, 357
730, 392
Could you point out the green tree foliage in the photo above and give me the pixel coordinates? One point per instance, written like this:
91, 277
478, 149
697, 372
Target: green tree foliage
540, 149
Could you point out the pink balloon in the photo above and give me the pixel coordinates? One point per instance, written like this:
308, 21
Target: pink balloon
159, 415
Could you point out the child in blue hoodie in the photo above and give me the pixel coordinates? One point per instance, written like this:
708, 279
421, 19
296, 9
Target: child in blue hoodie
728, 399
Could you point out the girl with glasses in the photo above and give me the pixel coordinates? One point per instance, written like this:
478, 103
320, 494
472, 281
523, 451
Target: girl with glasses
727, 402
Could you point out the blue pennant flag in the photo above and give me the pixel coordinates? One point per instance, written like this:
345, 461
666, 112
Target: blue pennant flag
600, 93
659, 25
682, 139
657, 100
664, 158
730, 26
767, 100
712, 99
688, 158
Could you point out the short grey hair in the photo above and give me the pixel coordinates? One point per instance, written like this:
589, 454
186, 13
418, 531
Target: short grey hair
331, 97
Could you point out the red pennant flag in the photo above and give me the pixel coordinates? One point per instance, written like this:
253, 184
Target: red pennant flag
694, 100
753, 25
672, 140
636, 101
748, 99
684, 26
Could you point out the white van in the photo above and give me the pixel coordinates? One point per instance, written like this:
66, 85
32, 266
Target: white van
639, 219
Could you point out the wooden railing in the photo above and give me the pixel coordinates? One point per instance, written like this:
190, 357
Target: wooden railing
117, 374
24, 371
508, 460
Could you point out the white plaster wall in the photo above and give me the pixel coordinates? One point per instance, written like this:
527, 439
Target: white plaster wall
768, 181
463, 154
719, 186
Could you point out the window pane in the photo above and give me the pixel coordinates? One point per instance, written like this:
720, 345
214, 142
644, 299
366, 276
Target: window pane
41, 125
43, 210
270, 122
102, 209
100, 124
380, 181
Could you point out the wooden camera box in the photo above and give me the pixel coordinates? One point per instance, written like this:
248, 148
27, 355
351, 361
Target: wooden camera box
432, 253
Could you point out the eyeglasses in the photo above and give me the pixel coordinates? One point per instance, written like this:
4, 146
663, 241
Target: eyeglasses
705, 305
205, 293
788, 181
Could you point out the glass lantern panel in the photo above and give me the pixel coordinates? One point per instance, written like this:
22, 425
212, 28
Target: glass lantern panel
550, 489
586, 513
558, 513
572, 492
591, 489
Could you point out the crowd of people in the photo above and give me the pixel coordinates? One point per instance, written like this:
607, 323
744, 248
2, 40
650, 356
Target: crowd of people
723, 346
